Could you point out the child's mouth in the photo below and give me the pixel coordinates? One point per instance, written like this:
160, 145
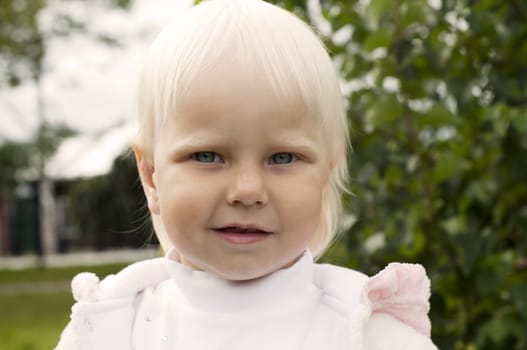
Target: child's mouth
241, 234
235, 229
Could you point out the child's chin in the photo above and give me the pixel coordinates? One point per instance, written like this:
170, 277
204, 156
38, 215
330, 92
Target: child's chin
240, 272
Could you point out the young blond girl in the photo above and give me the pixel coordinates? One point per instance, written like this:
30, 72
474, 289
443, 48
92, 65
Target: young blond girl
242, 150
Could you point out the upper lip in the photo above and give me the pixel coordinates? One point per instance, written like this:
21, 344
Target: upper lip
246, 227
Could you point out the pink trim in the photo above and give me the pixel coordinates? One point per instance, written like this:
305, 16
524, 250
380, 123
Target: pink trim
402, 291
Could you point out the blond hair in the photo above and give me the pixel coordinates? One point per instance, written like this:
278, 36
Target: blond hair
281, 48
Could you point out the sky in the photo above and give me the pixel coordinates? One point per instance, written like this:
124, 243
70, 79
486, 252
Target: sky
88, 85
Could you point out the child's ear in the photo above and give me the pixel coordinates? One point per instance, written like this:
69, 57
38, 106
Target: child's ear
146, 173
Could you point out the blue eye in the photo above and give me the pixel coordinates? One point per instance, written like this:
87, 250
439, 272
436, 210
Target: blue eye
206, 157
283, 158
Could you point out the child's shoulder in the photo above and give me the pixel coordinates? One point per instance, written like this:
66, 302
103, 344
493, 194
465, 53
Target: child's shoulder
341, 287
127, 283
394, 302
105, 308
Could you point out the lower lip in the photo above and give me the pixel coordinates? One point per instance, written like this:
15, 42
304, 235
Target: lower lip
242, 238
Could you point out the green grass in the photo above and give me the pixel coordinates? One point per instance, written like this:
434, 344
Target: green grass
33, 320
55, 274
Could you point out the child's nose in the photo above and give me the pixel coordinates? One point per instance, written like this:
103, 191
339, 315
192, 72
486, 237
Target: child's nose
247, 187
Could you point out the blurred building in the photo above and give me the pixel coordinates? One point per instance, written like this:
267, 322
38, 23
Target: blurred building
38, 219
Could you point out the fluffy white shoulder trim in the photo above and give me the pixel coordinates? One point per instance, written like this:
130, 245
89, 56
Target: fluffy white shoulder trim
384, 332
402, 291
131, 280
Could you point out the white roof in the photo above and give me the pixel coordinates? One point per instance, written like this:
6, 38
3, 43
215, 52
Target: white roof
88, 155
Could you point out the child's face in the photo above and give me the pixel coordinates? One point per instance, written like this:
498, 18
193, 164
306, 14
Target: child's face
239, 177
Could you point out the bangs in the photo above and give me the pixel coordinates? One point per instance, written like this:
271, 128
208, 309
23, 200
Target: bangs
267, 42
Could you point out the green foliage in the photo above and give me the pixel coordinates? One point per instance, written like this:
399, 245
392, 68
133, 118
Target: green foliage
13, 158
116, 200
23, 161
21, 46
438, 112
23, 39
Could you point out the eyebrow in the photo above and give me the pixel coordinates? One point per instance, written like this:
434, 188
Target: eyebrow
199, 141
204, 141
296, 141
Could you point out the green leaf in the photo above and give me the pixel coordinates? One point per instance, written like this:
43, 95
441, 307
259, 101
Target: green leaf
416, 11
394, 175
519, 120
376, 9
448, 166
499, 327
438, 115
384, 111
379, 38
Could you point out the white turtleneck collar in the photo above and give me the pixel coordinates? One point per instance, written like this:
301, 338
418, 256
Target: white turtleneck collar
208, 292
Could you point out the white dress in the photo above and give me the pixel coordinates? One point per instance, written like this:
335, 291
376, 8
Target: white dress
161, 304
